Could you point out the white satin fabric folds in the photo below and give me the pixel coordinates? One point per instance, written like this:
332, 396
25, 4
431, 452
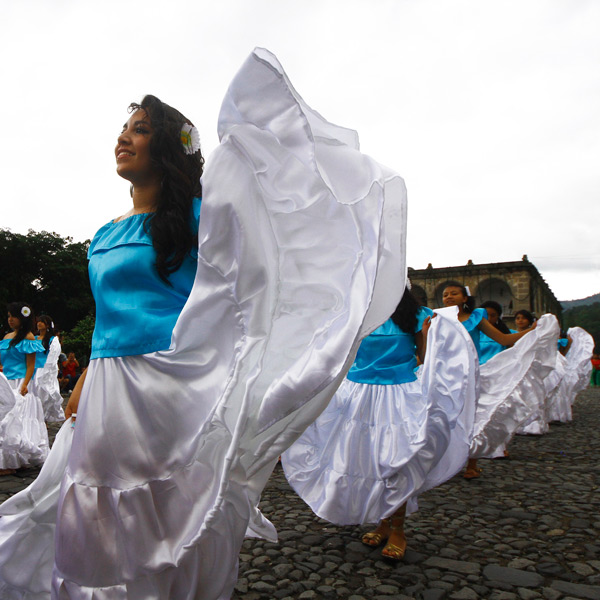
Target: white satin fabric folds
512, 388
376, 447
23, 433
171, 450
45, 385
576, 371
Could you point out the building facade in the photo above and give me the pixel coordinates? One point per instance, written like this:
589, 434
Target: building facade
514, 285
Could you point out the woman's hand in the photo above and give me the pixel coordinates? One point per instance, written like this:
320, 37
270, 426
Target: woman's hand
23, 389
73, 403
427, 324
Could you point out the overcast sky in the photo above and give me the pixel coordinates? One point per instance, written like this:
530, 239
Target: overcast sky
490, 110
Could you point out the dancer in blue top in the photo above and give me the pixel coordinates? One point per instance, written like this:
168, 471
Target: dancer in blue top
487, 345
45, 381
476, 323
17, 356
189, 399
382, 439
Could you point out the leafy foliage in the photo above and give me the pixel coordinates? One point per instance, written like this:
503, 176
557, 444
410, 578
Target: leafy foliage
79, 339
587, 317
47, 271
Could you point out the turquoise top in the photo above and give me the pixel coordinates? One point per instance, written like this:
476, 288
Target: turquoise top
388, 355
41, 357
488, 348
14, 359
136, 310
472, 326
563, 343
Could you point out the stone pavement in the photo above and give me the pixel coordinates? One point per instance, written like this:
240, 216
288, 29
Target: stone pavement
528, 528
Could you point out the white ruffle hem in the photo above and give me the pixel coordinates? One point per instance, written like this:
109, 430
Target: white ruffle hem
376, 447
512, 388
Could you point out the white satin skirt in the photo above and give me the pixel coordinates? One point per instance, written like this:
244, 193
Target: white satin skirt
46, 387
301, 254
575, 374
376, 447
512, 388
23, 433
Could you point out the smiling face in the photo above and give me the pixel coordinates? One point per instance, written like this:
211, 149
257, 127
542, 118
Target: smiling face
133, 149
453, 296
14, 322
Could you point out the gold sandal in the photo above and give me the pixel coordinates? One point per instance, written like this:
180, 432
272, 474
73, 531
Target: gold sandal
393, 551
374, 538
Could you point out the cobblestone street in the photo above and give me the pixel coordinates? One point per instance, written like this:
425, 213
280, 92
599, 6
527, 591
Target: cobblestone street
528, 528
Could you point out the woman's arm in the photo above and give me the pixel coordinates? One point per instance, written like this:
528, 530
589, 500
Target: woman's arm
421, 339
506, 339
73, 403
30, 362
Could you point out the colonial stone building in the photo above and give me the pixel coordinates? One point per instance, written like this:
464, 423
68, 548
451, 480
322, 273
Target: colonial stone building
514, 285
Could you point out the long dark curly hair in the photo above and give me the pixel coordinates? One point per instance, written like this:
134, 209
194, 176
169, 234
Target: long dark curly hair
405, 315
170, 227
15, 308
49, 330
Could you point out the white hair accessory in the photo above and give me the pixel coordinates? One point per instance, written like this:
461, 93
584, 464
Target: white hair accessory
468, 290
52, 324
26, 311
190, 138
408, 283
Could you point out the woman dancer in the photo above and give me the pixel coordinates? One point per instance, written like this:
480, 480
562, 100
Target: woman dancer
45, 381
487, 345
523, 320
475, 322
381, 441
23, 435
177, 432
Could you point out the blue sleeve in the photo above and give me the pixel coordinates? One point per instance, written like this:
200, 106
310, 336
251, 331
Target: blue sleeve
422, 314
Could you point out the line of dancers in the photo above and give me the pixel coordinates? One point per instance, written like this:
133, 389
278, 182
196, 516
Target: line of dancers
229, 310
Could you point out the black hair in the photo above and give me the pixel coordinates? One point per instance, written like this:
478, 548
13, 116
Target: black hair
169, 227
405, 315
527, 315
500, 325
15, 308
469, 305
49, 330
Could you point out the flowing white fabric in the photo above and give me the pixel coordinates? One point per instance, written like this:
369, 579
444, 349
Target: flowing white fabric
376, 447
512, 387
45, 385
301, 254
27, 523
23, 433
575, 369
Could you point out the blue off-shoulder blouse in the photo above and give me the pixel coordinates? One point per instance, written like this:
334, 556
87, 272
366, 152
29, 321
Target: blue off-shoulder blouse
472, 326
136, 310
14, 358
388, 355
488, 348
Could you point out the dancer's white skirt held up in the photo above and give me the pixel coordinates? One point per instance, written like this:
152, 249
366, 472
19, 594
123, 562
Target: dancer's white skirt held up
301, 254
512, 388
376, 447
23, 433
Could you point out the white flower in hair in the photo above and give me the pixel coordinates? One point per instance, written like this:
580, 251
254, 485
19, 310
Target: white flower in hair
26, 311
190, 138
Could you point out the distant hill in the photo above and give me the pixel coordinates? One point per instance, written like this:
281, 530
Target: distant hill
566, 304
586, 316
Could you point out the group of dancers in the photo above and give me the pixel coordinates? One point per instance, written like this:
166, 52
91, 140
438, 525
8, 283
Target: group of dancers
29, 389
244, 317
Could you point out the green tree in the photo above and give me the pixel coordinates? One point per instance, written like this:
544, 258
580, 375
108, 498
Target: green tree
79, 340
48, 271
587, 317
